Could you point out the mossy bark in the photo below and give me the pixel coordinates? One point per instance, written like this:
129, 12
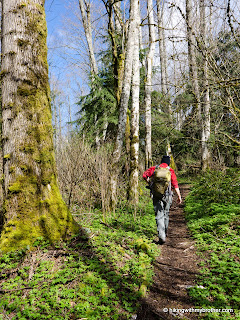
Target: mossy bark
134, 149
125, 93
192, 58
33, 206
148, 86
206, 103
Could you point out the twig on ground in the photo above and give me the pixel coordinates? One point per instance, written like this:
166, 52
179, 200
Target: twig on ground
107, 225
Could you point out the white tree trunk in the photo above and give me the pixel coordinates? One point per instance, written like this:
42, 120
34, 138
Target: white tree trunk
87, 24
206, 97
163, 55
134, 148
193, 70
86, 18
124, 99
162, 47
118, 17
148, 86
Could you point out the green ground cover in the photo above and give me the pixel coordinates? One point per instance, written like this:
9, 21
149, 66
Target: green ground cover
213, 212
100, 274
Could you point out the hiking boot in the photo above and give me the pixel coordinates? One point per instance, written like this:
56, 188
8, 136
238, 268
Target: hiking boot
166, 232
160, 241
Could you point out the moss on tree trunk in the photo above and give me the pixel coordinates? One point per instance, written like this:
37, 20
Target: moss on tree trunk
33, 206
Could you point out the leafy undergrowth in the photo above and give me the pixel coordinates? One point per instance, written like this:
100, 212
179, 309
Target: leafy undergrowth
213, 212
100, 274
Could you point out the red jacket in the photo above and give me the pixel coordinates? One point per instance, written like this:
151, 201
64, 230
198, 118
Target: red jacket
149, 172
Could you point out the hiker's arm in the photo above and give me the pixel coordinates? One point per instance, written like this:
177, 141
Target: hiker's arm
174, 181
179, 195
148, 173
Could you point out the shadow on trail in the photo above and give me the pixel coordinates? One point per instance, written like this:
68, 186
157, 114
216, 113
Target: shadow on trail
165, 266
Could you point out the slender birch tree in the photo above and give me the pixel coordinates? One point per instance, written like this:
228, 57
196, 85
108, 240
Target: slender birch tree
33, 206
148, 86
85, 8
124, 99
205, 89
163, 54
118, 49
87, 24
134, 149
118, 18
192, 60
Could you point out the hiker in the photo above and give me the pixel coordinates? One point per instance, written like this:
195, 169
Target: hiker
161, 191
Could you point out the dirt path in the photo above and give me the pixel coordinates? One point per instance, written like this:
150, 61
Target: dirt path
175, 270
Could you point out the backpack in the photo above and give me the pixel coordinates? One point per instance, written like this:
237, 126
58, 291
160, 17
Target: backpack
160, 181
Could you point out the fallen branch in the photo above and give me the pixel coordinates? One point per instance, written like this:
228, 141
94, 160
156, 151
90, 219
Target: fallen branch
107, 225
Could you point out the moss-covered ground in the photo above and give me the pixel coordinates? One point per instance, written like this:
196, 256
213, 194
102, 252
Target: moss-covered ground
213, 212
100, 274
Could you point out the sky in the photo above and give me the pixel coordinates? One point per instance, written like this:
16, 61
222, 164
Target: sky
67, 50
70, 78
56, 10
60, 78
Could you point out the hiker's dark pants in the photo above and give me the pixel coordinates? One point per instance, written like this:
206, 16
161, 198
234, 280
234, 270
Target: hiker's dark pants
161, 208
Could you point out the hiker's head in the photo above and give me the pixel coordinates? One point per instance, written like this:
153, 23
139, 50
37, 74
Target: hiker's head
166, 159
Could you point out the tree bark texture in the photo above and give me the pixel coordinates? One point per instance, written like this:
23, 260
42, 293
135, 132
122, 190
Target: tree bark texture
193, 70
148, 86
124, 100
117, 47
163, 55
86, 18
33, 206
134, 148
205, 88
118, 18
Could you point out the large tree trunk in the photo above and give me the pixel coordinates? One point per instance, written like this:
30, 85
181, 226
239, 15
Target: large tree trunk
205, 89
124, 100
148, 86
32, 202
192, 57
134, 149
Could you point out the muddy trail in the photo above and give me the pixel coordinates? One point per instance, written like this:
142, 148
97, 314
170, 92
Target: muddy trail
175, 270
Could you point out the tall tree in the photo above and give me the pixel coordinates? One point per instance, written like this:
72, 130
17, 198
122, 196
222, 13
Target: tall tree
87, 25
124, 99
118, 49
148, 85
134, 149
205, 89
118, 18
163, 56
33, 206
86, 18
192, 60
